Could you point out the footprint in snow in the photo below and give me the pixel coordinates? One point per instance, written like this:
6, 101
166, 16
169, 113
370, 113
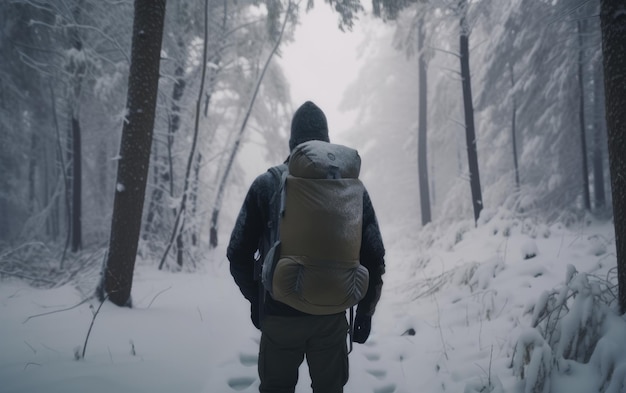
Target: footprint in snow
390, 388
380, 374
248, 359
240, 383
372, 357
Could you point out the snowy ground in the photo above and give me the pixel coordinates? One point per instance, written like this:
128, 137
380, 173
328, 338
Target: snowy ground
468, 294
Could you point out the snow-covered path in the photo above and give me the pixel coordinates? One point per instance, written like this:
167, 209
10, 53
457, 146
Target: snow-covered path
467, 297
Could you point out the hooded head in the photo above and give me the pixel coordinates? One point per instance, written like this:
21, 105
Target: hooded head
308, 123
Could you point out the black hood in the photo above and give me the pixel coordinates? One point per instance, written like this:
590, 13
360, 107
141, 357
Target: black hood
308, 123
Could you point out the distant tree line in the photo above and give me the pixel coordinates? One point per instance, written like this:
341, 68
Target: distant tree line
531, 106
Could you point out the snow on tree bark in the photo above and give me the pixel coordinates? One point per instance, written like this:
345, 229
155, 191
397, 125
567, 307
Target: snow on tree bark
582, 30
599, 135
422, 133
117, 277
468, 106
77, 69
613, 20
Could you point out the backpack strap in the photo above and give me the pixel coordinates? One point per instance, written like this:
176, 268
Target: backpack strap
277, 202
351, 329
275, 209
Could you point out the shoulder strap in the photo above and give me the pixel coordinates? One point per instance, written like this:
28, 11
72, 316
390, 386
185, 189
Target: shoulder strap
277, 202
272, 226
277, 171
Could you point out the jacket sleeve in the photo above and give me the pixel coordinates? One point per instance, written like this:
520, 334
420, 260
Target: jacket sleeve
244, 243
372, 257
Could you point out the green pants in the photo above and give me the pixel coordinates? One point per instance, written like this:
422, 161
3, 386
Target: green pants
285, 341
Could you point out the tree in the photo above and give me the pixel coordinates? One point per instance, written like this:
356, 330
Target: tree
581, 26
422, 158
76, 69
134, 160
613, 21
544, 101
595, 112
468, 106
390, 9
599, 136
61, 78
514, 128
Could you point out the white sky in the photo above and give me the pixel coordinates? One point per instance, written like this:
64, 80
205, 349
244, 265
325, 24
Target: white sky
319, 65
321, 62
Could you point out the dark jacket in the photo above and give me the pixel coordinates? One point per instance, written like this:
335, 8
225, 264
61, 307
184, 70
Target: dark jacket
249, 242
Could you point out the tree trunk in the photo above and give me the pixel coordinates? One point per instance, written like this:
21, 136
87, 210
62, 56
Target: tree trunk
599, 192
156, 197
166, 175
194, 199
48, 194
514, 128
422, 158
60, 162
613, 20
468, 106
177, 94
76, 187
77, 70
69, 174
581, 117
32, 169
143, 80
180, 245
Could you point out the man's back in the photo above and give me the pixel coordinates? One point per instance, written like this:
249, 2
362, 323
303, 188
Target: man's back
288, 335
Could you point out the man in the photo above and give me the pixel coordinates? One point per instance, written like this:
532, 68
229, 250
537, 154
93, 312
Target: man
288, 335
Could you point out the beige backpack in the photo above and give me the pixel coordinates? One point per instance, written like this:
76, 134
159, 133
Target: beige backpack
314, 264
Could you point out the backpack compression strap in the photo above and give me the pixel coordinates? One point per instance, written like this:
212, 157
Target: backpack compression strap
351, 329
273, 228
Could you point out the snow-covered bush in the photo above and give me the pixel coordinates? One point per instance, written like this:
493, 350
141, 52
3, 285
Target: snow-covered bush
569, 326
529, 249
46, 266
532, 361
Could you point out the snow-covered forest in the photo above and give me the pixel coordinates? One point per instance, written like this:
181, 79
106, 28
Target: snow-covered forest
482, 126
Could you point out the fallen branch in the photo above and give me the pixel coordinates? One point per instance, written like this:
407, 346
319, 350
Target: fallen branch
93, 319
56, 311
21, 275
155, 296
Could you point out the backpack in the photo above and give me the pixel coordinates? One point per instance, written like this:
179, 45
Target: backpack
313, 265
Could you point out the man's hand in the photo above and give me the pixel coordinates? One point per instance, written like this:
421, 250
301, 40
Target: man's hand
362, 328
